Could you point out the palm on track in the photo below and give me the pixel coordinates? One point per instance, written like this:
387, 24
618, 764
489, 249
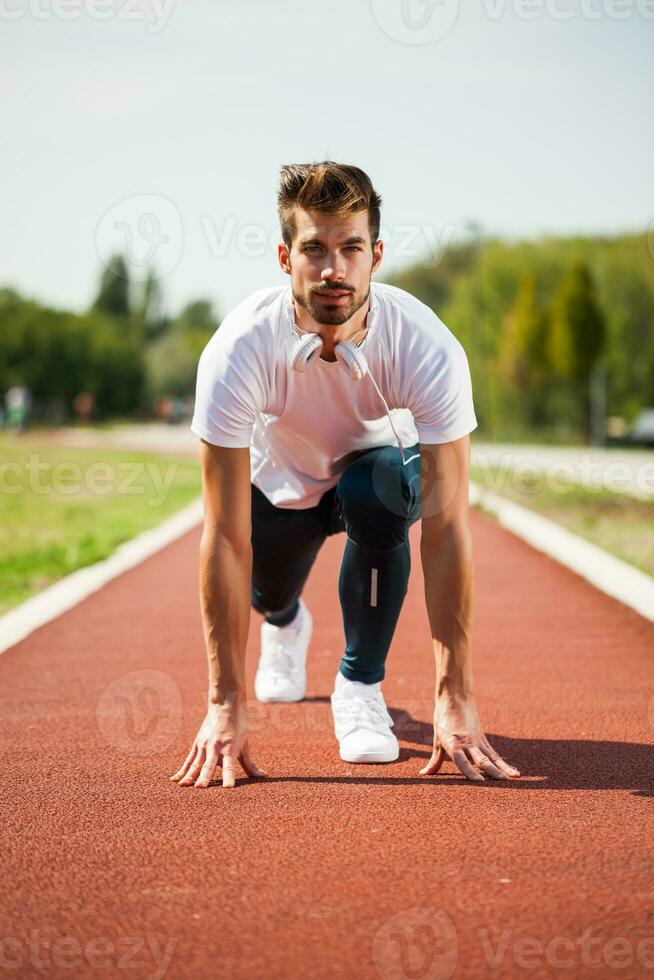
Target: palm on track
221, 740
458, 735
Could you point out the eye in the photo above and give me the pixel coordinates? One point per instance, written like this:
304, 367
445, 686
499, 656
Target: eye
352, 248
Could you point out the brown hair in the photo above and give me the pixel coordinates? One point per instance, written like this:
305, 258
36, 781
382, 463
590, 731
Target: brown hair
333, 188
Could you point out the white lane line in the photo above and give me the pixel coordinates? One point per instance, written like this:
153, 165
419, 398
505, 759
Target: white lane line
609, 574
63, 595
373, 587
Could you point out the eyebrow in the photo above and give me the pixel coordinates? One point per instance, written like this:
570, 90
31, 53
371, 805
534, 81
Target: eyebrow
352, 240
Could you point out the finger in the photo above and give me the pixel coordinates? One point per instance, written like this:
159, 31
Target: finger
187, 762
208, 769
229, 779
463, 764
498, 760
479, 759
437, 758
508, 770
194, 770
248, 765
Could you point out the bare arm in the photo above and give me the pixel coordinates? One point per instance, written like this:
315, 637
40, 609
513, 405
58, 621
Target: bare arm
225, 578
446, 553
225, 567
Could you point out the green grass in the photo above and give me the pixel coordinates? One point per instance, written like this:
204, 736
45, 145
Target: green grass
620, 524
63, 508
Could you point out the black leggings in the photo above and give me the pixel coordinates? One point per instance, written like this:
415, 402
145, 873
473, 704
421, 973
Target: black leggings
375, 501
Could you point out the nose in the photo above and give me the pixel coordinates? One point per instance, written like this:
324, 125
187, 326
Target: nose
334, 268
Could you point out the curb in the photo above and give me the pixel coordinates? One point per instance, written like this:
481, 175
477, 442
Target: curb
68, 591
611, 575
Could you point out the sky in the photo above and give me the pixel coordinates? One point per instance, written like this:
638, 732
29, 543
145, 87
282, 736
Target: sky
158, 127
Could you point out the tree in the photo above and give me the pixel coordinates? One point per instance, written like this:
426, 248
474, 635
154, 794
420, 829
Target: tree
198, 315
114, 294
149, 313
578, 335
172, 359
523, 358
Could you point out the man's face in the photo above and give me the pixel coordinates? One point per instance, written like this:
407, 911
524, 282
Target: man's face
330, 263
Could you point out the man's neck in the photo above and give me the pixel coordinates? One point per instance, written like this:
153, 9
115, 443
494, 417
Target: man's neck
332, 334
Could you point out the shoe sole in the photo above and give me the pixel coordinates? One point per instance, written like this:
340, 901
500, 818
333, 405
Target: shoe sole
265, 700
371, 757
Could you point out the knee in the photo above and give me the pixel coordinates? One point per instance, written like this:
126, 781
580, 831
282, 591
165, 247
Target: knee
375, 499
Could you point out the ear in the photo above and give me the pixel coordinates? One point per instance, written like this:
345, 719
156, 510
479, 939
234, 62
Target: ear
284, 258
377, 255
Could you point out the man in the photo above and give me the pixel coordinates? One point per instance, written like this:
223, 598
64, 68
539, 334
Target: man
334, 404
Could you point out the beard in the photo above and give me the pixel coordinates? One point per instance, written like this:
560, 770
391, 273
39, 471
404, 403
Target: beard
322, 312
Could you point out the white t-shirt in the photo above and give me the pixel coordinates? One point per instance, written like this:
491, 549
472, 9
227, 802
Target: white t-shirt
302, 428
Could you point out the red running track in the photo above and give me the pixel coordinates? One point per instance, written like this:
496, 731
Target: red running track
327, 869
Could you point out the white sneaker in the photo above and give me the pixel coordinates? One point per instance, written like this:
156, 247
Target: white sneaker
362, 723
281, 674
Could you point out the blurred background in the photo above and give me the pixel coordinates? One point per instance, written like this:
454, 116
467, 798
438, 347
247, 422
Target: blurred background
511, 140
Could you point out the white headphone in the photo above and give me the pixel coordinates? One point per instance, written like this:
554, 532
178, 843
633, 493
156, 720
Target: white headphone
306, 349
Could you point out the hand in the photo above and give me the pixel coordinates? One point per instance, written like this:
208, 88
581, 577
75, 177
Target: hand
458, 735
221, 740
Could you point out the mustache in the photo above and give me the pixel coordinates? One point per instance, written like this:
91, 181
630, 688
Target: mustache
340, 287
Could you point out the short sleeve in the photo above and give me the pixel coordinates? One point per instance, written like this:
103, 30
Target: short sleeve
440, 392
229, 391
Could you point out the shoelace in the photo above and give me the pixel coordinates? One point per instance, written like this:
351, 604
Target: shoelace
363, 712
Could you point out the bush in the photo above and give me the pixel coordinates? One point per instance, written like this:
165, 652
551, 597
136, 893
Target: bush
57, 354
